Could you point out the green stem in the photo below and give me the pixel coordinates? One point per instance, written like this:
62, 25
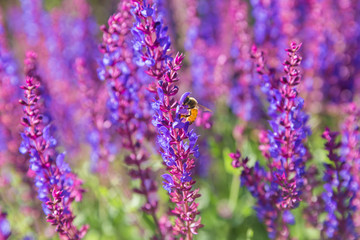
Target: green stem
234, 192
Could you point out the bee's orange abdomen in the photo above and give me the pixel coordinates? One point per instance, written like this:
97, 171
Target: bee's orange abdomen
193, 115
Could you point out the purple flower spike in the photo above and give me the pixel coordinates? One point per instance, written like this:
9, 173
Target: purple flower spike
129, 102
350, 151
57, 186
176, 142
280, 188
289, 131
258, 182
243, 100
5, 230
94, 98
339, 193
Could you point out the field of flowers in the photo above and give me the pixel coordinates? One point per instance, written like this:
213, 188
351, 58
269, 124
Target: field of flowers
180, 119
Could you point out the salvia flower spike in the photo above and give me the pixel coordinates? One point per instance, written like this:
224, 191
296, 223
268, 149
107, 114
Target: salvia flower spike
281, 187
57, 186
177, 143
129, 107
339, 193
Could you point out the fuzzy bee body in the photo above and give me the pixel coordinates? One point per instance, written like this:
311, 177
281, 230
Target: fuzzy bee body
193, 109
192, 116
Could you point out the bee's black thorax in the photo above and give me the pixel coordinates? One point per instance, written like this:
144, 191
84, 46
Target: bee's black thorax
190, 102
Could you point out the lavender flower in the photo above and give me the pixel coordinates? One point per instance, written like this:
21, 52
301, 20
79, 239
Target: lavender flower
31, 20
5, 230
178, 149
176, 141
57, 186
340, 190
207, 62
10, 138
243, 99
129, 105
315, 204
261, 186
350, 144
289, 131
279, 189
60, 35
94, 98
339, 200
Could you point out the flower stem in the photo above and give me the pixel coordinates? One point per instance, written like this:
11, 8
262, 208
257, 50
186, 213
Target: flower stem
234, 192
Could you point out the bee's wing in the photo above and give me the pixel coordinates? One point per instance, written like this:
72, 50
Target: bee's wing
205, 109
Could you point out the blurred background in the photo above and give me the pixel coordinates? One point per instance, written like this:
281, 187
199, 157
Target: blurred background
216, 38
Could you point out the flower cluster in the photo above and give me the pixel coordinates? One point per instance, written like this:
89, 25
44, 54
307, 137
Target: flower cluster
128, 104
176, 141
59, 35
283, 147
94, 98
57, 186
243, 98
9, 94
350, 145
178, 149
207, 62
260, 185
315, 204
31, 18
284, 144
126, 96
5, 230
288, 133
340, 190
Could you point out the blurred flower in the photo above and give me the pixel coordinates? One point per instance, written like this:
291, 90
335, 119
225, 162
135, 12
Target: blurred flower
59, 35
206, 58
9, 129
315, 204
340, 190
350, 152
31, 18
280, 188
243, 100
5, 230
261, 185
57, 186
129, 102
94, 116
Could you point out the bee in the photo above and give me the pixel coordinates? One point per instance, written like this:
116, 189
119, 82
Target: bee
193, 109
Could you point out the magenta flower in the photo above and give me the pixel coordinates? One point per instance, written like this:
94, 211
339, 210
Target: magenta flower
57, 186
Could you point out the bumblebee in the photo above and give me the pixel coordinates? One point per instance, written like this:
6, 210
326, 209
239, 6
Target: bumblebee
193, 109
